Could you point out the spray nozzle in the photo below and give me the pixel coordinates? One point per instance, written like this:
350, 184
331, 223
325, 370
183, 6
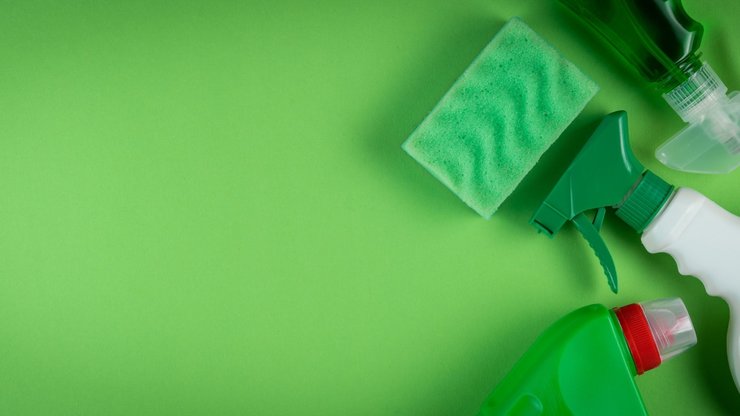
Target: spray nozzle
711, 141
604, 174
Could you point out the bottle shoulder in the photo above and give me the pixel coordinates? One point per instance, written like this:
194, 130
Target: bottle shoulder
657, 37
580, 365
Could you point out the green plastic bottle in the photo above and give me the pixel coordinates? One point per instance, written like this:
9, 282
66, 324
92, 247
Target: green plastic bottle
661, 41
586, 363
657, 37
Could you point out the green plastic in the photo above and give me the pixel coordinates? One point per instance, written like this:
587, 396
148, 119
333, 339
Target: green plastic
581, 365
645, 201
657, 37
605, 173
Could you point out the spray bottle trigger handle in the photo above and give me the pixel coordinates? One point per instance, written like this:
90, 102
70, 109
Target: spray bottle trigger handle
599, 218
590, 231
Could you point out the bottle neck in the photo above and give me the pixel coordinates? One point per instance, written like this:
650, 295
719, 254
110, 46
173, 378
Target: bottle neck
640, 340
680, 72
644, 201
698, 92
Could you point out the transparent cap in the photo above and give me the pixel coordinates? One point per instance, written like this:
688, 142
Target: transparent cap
711, 142
670, 325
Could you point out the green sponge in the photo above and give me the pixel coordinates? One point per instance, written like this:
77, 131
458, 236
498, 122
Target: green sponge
500, 116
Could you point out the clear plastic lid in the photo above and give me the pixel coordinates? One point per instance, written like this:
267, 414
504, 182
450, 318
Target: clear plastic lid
670, 325
711, 142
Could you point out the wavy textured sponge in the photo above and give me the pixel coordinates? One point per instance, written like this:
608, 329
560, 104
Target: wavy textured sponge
500, 116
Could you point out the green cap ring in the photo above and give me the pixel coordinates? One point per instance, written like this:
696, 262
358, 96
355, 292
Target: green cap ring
645, 201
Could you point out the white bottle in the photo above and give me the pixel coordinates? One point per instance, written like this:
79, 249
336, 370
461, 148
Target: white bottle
704, 239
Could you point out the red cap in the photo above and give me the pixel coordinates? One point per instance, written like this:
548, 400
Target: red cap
639, 337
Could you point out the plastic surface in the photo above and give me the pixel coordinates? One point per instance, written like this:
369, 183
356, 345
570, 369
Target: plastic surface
639, 338
604, 174
644, 201
670, 326
662, 41
704, 239
581, 365
711, 144
657, 37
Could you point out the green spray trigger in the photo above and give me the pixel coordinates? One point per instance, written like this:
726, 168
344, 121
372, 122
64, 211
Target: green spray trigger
591, 232
604, 174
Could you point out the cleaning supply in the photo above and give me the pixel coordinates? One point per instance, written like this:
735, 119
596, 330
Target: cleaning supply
499, 117
703, 238
586, 363
662, 42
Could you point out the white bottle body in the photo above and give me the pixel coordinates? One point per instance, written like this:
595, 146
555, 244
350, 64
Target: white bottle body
704, 239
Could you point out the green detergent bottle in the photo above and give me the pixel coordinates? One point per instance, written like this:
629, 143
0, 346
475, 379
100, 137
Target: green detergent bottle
586, 363
661, 41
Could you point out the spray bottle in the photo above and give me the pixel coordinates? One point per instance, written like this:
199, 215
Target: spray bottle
662, 42
703, 238
586, 363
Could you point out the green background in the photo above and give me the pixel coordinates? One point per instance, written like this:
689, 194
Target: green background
205, 210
